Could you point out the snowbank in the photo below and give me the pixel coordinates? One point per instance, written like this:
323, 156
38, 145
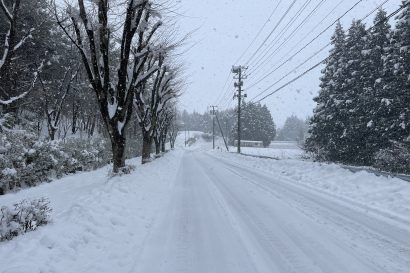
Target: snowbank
386, 194
99, 224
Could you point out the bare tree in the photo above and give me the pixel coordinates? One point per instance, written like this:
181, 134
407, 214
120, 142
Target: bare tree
173, 129
54, 99
93, 36
165, 119
10, 46
151, 100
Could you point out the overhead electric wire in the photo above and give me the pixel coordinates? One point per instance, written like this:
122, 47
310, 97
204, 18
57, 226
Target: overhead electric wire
259, 65
223, 93
313, 29
259, 32
316, 53
321, 62
289, 24
226, 92
223, 89
306, 45
273, 30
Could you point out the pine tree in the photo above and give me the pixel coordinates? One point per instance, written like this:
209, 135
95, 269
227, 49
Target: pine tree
398, 124
325, 127
391, 114
257, 124
378, 43
353, 112
293, 129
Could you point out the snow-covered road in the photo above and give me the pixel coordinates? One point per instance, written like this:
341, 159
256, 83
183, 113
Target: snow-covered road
226, 217
194, 211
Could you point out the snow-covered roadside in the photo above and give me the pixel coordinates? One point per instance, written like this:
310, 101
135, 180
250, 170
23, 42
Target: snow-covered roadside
385, 194
272, 152
98, 223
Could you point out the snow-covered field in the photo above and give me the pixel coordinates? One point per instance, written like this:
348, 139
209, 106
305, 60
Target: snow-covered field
197, 210
277, 149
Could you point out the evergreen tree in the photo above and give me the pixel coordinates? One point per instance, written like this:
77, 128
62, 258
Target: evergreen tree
373, 94
396, 103
325, 126
293, 130
256, 124
354, 115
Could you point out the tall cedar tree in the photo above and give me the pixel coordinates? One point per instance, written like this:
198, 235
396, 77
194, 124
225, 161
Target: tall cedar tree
397, 80
378, 44
354, 116
325, 126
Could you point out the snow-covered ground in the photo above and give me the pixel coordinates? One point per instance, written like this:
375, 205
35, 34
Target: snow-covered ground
277, 149
197, 210
369, 190
99, 224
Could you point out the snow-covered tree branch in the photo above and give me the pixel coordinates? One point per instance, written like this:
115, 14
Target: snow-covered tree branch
88, 26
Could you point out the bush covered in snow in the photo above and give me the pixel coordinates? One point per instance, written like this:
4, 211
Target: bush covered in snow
26, 161
22, 217
395, 159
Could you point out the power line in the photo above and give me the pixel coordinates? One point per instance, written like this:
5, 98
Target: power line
270, 34
223, 88
278, 48
321, 62
278, 23
259, 32
292, 20
313, 29
306, 45
226, 92
289, 82
316, 53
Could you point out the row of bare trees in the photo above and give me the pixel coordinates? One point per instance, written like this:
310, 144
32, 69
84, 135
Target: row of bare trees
123, 52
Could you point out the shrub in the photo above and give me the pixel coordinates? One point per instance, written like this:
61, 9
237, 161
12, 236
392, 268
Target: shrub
395, 159
23, 217
26, 161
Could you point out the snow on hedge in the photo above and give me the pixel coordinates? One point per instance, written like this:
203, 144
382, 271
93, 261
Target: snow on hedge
26, 161
22, 217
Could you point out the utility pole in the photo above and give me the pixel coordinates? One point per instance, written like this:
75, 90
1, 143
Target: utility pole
222, 133
213, 113
238, 70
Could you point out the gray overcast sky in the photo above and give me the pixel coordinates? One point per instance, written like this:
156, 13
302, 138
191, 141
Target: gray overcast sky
227, 27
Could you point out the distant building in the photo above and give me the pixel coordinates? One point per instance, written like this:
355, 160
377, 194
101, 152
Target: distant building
249, 143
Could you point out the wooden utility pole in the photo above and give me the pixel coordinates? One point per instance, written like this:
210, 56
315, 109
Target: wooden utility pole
213, 113
238, 70
219, 125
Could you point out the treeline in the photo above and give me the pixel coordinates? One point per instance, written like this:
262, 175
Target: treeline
100, 69
362, 115
256, 123
294, 129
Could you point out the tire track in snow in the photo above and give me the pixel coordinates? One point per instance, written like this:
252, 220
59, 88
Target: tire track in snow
284, 253
337, 220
